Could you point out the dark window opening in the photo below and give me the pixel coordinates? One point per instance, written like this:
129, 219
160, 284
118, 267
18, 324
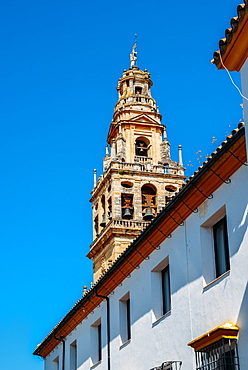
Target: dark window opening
221, 250
141, 148
127, 206
170, 188
166, 295
96, 225
99, 337
110, 208
138, 90
127, 184
149, 207
128, 319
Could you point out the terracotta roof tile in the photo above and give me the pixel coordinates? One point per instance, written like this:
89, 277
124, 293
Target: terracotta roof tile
231, 34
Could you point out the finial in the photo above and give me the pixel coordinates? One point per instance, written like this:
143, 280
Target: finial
107, 151
133, 55
94, 177
180, 155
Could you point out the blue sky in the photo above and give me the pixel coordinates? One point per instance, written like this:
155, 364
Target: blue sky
59, 66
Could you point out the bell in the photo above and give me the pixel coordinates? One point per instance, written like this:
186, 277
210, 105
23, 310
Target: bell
110, 215
103, 223
148, 216
127, 213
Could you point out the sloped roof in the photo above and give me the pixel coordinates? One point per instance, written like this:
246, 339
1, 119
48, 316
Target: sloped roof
217, 169
234, 47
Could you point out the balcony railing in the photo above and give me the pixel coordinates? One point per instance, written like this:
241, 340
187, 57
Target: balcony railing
142, 159
145, 166
169, 365
119, 224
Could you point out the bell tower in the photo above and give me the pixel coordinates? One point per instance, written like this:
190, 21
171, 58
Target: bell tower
139, 178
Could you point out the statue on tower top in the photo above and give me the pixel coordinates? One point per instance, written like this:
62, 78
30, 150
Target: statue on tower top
133, 55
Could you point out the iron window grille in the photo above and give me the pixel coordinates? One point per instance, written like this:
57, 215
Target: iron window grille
169, 365
220, 355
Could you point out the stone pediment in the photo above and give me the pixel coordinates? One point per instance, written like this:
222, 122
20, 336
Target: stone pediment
143, 118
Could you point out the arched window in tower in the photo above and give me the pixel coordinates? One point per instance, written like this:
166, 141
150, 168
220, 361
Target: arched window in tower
127, 206
141, 147
110, 208
169, 193
96, 226
103, 223
149, 206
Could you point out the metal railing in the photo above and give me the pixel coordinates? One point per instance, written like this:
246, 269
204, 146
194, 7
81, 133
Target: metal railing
169, 365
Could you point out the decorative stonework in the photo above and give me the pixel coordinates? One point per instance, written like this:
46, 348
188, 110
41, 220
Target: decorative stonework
139, 176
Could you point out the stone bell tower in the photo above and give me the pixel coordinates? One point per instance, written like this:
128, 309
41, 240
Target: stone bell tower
139, 177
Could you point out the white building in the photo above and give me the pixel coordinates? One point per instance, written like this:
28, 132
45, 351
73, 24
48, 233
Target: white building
177, 297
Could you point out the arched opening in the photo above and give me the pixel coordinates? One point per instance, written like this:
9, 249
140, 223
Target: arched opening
149, 203
169, 193
127, 206
103, 223
141, 147
110, 208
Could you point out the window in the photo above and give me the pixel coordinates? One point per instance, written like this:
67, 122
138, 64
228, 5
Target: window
99, 342
96, 342
220, 355
221, 250
214, 245
127, 206
169, 365
56, 363
73, 355
160, 288
125, 318
166, 299
149, 207
141, 148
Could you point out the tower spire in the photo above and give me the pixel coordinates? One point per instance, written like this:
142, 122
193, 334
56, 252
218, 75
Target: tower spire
133, 55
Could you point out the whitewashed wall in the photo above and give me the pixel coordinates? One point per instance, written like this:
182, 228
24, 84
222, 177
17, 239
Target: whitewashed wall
196, 308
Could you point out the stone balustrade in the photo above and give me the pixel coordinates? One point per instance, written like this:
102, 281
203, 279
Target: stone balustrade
120, 224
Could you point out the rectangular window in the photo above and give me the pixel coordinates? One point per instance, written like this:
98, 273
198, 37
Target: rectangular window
125, 318
161, 289
56, 363
220, 355
214, 246
73, 356
99, 342
96, 342
221, 250
166, 295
